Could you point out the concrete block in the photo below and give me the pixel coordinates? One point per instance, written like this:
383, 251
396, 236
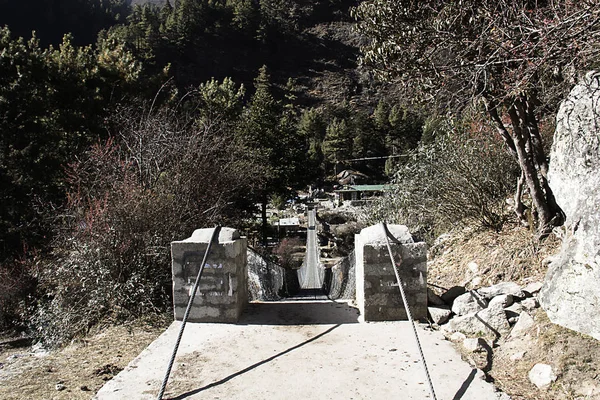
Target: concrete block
224, 278
377, 291
414, 253
204, 314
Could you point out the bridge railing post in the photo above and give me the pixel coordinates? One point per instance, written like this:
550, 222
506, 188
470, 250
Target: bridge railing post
377, 292
223, 290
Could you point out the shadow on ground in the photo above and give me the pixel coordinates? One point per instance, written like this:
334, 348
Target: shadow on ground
299, 311
253, 366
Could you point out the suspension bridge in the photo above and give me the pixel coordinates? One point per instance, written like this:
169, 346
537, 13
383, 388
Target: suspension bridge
305, 347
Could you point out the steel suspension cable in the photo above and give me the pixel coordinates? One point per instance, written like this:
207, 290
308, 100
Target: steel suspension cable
408, 313
187, 313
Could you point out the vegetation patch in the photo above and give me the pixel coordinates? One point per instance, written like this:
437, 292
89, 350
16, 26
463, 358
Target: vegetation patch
82, 367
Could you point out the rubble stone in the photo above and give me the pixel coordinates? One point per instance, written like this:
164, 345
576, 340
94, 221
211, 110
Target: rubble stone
542, 376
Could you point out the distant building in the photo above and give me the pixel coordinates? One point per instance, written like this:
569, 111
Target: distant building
287, 226
360, 193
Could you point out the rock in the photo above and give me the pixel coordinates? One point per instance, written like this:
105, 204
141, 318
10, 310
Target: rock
550, 259
530, 304
532, 288
517, 356
490, 322
457, 337
475, 345
505, 300
453, 293
511, 288
589, 388
523, 325
473, 267
472, 278
514, 310
571, 283
468, 303
542, 376
495, 318
434, 299
60, 387
225, 235
475, 282
439, 315
38, 347
444, 237
38, 350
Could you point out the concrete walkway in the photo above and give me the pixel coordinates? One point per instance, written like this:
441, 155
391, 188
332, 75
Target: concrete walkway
296, 350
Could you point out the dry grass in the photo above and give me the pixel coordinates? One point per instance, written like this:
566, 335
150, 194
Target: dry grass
510, 255
82, 367
575, 359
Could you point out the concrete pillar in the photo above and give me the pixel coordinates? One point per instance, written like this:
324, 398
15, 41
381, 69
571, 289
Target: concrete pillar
223, 291
377, 292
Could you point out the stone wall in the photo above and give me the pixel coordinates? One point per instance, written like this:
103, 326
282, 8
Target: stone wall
222, 294
571, 294
377, 292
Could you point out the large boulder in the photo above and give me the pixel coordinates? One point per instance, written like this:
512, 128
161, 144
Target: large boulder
571, 294
491, 322
468, 303
500, 289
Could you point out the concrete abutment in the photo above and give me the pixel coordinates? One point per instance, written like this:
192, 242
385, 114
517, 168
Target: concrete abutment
377, 292
223, 291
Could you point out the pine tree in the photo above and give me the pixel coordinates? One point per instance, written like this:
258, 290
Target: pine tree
337, 145
311, 127
259, 131
220, 102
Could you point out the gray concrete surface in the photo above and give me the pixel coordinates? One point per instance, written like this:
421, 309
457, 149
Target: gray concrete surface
295, 350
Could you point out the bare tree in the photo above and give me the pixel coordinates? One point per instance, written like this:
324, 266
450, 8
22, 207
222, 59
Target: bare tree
161, 175
516, 56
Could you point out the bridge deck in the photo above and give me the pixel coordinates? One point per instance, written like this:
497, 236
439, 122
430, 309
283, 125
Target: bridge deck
299, 349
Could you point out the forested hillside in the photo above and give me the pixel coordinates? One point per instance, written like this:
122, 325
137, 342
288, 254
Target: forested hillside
124, 127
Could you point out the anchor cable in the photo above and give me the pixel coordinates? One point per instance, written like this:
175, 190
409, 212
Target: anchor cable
187, 313
408, 314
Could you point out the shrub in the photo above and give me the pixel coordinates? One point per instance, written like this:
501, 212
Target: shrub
285, 252
15, 284
128, 199
459, 177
